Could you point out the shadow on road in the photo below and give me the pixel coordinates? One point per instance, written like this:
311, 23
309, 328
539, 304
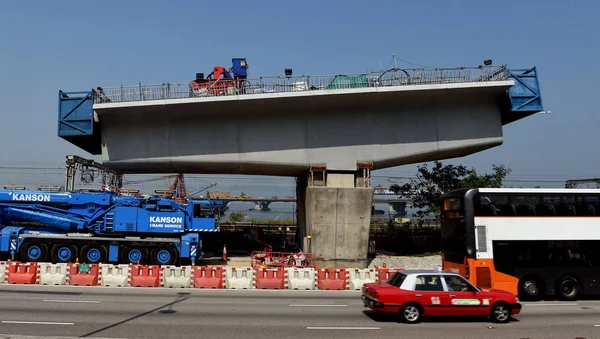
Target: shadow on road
39, 292
379, 317
181, 296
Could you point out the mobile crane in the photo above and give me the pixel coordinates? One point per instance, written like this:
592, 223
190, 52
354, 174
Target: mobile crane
100, 227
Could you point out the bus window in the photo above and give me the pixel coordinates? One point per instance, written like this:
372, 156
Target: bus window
588, 206
525, 204
452, 208
493, 205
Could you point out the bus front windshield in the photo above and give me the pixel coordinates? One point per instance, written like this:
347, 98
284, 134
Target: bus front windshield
454, 230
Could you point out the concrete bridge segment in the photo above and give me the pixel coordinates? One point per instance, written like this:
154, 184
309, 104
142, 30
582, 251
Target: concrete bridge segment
330, 138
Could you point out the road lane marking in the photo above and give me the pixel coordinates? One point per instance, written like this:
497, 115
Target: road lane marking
295, 305
528, 305
34, 322
72, 301
341, 328
597, 325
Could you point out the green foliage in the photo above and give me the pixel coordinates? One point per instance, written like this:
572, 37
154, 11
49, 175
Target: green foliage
236, 217
272, 222
427, 189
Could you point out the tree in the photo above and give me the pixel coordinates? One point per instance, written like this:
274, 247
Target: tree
427, 189
236, 217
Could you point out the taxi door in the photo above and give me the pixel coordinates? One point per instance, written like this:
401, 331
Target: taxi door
463, 298
429, 292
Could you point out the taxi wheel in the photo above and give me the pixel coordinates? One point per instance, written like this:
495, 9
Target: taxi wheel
411, 313
500, 312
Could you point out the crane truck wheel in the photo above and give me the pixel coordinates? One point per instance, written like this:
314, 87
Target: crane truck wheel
34, 252
63, 253
93, 254
134, 255
163, 256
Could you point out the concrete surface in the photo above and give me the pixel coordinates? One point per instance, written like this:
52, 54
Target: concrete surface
162, 313
284, 135
338, 221
426, 262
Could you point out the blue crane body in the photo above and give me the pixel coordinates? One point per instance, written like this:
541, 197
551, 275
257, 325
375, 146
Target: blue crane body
101, 227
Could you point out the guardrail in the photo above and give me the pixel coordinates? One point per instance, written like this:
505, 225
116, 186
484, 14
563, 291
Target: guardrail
263, 85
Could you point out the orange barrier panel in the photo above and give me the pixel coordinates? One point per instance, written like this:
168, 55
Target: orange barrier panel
144, 276
22, 273
383, 274
332, 279
270, 278
208, 277
83, 275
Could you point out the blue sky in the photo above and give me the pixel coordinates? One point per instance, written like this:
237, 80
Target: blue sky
76, 45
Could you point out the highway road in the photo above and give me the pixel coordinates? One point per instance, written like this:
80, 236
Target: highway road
193, 313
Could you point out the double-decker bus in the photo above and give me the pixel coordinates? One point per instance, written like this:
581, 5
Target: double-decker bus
531, 242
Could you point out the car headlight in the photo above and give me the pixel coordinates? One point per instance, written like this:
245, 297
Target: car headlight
517, 300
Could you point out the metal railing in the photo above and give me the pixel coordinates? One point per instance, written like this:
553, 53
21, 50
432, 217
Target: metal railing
265, 85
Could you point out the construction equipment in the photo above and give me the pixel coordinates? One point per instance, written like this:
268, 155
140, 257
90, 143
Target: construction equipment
97, 227
222, 81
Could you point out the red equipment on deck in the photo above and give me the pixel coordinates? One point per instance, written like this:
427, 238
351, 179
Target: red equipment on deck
220, 81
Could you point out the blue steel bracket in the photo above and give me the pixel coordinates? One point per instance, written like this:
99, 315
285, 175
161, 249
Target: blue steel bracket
190, 247
76, 120
525, 95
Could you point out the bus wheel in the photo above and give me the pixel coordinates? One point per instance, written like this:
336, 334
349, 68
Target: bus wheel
568, 288
530, 288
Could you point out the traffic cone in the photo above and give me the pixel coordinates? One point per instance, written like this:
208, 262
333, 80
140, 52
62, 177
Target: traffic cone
224, 252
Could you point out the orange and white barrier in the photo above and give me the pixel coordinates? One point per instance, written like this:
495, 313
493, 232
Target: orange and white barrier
301, 278
214, 277
270, 278
332, 279
52, 274
357, 277
239, 278
208, 277
145, 276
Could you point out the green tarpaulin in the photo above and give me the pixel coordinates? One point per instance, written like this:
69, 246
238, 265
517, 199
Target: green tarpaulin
347, 81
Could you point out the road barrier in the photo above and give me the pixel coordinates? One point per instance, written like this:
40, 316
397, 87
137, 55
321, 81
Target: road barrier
214, 277
208, 277
270, 278
332, 279
52, 274
114, 275
22, 273
301, 278
3, 265
239, 277
358, 277
83, 274
145, 276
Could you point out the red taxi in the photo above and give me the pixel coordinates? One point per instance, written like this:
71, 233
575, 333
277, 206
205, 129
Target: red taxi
413, 294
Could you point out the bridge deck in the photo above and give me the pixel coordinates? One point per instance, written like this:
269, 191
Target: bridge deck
274, 86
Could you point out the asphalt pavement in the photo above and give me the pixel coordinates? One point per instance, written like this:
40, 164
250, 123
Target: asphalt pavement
100, 312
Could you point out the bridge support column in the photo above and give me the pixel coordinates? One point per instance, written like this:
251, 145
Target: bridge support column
397, 208
334, 217
262, 205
